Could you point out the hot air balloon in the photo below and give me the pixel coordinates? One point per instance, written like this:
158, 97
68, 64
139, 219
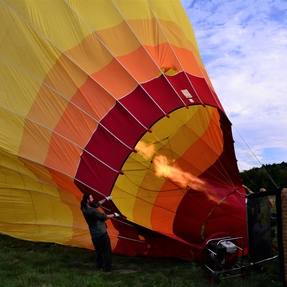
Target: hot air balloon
111, 97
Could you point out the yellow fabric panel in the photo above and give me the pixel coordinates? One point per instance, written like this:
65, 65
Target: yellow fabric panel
169, 11
124, 200
168, 126
52, 20
11, 127
17, 90
113, 39
87, 10
33, 210
172, 11
140, 28
127, 195
47, 108
145, 198
35, 142
21, 52
125, 190
90, 55
213, 135
12, 163
201, 122
33, 207
64, 78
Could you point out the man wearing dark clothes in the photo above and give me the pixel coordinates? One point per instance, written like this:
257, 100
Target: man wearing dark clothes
97, 226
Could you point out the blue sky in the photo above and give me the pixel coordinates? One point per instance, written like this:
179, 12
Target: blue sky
243, 44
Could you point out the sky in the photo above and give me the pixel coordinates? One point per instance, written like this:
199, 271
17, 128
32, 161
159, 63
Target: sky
243, 44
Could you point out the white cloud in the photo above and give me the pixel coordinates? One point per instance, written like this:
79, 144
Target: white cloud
244, 47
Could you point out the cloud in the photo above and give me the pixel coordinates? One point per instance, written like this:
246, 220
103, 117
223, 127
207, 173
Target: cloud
244, 46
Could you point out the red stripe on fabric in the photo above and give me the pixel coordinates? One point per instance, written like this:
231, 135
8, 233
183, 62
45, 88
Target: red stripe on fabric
95, 175
204, 92
107, 148
122, 124
135, 240
163, 94
140, 105
180, 82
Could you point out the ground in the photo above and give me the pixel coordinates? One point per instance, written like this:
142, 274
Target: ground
24, 264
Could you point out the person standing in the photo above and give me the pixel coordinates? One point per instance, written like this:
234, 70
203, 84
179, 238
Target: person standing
98, 230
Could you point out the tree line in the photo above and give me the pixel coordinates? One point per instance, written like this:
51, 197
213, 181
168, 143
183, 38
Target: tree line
267, 176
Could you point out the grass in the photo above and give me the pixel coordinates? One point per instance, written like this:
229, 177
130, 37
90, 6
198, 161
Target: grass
24, 264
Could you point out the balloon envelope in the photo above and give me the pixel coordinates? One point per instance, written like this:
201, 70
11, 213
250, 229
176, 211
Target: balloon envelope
112, 98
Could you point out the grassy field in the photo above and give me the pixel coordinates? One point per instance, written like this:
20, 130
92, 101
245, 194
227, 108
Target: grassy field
25, 264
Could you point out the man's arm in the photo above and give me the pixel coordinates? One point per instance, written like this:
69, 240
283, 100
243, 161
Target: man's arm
104, 200
102, 216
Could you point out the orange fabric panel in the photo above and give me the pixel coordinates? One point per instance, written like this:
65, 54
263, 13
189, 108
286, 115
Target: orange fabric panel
113, 233
63, 156
66, 184
147, 69
189, 62
47, 108
116, 39
162, 218
65, 77
164, 57
93, 99
76, 125
44, 147
115, 80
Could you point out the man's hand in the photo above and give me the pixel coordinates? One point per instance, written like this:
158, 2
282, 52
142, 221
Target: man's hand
109, 197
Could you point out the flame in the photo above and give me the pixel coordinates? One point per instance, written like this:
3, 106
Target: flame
164, 168
147, 151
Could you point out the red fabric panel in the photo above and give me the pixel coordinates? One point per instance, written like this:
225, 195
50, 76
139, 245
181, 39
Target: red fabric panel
107, 148
180, 82
150, 243
95, 175
161, 91
191, 214
122, 124
204, 92
142, 107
